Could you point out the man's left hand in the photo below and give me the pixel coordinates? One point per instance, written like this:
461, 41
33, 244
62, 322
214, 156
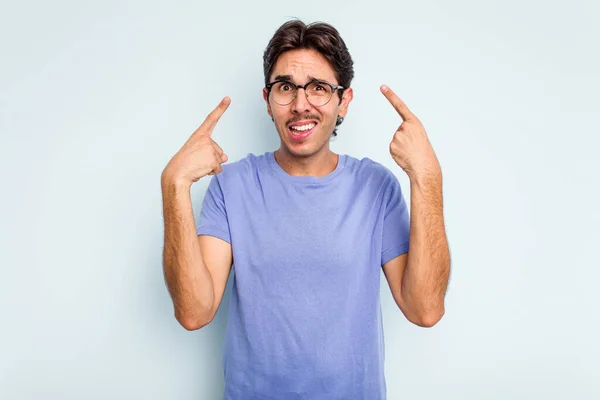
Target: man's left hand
410, 147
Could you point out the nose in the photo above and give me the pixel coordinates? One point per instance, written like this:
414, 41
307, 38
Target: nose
300, 104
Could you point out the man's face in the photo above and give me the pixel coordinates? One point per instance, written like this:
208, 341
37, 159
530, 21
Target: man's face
294, 122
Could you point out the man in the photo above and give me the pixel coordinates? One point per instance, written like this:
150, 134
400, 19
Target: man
307, 232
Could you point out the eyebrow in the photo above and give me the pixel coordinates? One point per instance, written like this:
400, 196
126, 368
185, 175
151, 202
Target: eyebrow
283, 77
289, 78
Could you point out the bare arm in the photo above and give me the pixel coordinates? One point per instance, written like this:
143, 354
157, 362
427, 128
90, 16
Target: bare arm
195, 268
418, 280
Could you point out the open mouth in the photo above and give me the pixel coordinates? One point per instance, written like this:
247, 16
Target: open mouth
301, 131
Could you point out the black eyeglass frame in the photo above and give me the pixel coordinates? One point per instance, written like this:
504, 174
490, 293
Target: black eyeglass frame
334, 89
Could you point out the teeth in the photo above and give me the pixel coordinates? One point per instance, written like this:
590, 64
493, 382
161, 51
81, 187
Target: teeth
303, 127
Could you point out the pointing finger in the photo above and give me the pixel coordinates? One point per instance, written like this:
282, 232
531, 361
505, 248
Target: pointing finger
398, 104
211, 120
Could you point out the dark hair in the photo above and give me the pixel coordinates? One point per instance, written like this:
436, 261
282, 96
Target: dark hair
319, 36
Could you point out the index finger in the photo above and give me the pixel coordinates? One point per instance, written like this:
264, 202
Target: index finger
211, 120
398, 104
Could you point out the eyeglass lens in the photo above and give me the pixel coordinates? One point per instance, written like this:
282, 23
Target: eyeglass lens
284, 93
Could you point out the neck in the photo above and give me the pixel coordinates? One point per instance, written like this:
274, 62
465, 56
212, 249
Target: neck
317, 165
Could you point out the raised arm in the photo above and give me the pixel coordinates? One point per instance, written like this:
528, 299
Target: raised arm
419, 279
195, 267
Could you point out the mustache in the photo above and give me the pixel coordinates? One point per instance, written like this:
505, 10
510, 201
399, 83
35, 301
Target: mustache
297, 119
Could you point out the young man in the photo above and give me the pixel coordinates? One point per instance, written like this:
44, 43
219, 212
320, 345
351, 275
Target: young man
307, 232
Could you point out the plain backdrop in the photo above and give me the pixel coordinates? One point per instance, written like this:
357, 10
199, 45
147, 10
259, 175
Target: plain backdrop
95, 98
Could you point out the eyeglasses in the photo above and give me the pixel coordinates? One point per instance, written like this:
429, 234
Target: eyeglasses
318, 93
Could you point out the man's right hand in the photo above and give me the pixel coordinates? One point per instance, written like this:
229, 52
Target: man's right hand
200, 155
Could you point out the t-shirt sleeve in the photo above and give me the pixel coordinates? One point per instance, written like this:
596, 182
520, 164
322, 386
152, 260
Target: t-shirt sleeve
213, 215
396, 222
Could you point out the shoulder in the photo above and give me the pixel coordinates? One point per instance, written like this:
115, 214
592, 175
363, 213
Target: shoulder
243, 167
368, 170
241, 173
375, 178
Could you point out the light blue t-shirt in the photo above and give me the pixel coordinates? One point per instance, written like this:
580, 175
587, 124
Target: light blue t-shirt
305, 317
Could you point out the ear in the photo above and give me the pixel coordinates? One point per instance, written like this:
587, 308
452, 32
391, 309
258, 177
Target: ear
346, 99
266, 97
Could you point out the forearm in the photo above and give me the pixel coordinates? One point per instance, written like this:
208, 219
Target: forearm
425, 278
187, 278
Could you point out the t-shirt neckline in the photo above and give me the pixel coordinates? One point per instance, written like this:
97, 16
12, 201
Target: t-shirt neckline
311, 180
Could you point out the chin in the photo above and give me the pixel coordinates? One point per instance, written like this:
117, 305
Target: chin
305, 149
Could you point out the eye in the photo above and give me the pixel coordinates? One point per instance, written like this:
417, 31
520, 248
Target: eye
319, 87
285, 87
